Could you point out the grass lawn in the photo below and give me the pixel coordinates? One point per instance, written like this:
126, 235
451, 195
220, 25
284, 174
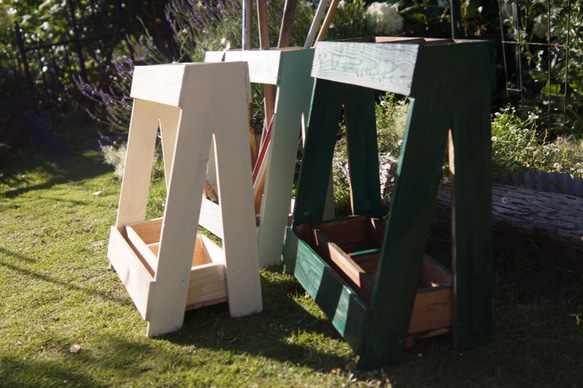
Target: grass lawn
66, 319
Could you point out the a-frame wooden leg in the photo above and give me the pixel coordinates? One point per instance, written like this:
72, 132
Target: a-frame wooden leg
472, 250
167, 301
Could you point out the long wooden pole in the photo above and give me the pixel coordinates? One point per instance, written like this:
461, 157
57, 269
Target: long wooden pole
268, 90
327, 20
315, 23
287, 22
247, 24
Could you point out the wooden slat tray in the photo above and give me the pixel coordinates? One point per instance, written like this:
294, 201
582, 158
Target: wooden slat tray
351, 247
207, 275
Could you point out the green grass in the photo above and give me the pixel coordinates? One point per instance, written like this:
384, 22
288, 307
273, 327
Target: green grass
66, 319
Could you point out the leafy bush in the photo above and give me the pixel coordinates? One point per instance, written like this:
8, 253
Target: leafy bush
518, 145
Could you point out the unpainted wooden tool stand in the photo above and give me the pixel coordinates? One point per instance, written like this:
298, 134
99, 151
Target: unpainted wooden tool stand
164, 264
289, 70
374, 281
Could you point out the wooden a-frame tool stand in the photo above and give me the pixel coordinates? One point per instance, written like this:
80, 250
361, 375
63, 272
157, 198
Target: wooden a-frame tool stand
289, 70
164, 264
374, 281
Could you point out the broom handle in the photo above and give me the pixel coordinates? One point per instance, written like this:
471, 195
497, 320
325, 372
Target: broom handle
327, 20
247, 22
315, 23
286, 23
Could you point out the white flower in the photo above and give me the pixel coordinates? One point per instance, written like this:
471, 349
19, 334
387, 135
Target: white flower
540, 26
384, 19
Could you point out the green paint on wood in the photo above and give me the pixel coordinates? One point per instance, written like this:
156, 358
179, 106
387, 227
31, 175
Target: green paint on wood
340, 303
318, 152
450, 88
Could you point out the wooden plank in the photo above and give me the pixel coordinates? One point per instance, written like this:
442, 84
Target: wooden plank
202, 112
268, 90
342, 306
433, 274
387, 67
159, 83
139, 160
134, 276
236, 197
247, 24
287, 20
264, 66
318, 152
472, 79
168, 119
432, 310
143, 248
347, 269
315, 26
147, 231
354, 233
293, 104
210, 217
410, 214
359, 107
207, 284
327, 20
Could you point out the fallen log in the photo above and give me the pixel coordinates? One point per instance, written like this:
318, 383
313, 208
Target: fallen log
551, 221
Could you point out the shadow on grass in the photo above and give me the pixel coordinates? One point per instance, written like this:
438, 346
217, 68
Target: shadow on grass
57, 168
6, 253
284, 331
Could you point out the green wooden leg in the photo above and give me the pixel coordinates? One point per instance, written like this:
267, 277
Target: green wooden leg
318, 152
472, 261
359, 105
419, 173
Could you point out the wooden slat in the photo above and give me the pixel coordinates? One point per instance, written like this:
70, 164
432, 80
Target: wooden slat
287, 20
381, 67
158, 83
264, 66
138, 163
207, 284
343, 306
236, 193
318, 152
359, 112
135, 277
293, 104
148, 231
419, 173
472, 261
354, 233
433, 274
432, 310
210, 217
327, 20
143, 248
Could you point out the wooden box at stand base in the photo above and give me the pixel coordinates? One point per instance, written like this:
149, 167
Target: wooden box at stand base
348, 250
138, 243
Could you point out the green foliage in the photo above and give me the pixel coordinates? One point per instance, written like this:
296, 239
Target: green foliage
552, 72
518, 145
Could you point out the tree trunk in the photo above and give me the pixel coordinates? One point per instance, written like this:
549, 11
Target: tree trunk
552, 221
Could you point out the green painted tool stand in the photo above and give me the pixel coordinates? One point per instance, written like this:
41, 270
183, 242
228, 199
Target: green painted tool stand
374, 281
